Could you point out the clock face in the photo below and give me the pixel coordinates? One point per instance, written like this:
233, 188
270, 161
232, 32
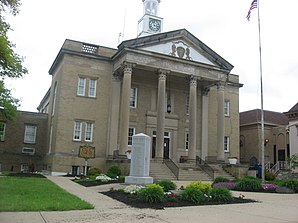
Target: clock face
154, 25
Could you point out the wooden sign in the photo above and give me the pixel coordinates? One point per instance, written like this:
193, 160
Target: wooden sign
87, 152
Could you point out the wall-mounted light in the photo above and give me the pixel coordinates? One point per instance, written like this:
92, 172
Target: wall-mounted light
169, 108
266, 142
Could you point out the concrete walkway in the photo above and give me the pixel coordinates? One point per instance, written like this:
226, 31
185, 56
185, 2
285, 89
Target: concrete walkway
272, 208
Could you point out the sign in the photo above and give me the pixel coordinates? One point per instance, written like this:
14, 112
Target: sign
87, 152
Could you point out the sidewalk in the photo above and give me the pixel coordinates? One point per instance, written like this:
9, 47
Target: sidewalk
272, 208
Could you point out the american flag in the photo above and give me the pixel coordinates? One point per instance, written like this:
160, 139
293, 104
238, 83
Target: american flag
253, 5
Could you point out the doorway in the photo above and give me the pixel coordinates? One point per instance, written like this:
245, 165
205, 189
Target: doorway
166, 148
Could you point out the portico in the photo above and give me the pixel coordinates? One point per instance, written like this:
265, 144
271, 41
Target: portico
193, 73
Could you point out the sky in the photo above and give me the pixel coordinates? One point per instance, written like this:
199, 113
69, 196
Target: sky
42, 26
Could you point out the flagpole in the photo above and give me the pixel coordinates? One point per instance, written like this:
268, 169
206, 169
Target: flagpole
262, 100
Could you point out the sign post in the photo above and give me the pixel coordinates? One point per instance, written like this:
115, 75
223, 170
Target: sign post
87, 152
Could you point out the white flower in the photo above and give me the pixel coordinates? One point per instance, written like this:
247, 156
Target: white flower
132, 189
103, 177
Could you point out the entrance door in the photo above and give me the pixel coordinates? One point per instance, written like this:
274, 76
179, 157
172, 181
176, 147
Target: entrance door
166, 149
281, 155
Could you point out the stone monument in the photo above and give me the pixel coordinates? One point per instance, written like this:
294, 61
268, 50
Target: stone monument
140, 160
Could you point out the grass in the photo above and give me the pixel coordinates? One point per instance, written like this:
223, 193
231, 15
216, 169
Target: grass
36, 194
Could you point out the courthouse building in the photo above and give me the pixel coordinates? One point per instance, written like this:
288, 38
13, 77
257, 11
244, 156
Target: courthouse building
168, 85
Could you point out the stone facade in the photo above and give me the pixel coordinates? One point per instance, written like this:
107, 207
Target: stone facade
133, 71
21, 151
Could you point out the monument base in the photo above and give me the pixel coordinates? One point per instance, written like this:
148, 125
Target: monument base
138, 180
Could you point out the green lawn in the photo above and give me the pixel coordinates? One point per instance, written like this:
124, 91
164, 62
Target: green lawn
36, 194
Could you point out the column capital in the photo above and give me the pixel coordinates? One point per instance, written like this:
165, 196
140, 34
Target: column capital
193, 81
116, 76
205, 91
162, 74
127, 67
221, 85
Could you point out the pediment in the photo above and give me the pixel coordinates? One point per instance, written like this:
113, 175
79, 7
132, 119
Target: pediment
180, 44
180, 49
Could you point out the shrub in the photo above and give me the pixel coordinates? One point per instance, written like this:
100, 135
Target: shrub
228, 185
204, 187
220, 179
292, 184
220, 194
152, 193
121, 179
192, 194
114, 171
167, 185
269, 176
249, 183
93, 171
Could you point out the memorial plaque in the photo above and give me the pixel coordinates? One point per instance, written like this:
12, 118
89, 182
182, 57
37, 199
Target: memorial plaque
87, 152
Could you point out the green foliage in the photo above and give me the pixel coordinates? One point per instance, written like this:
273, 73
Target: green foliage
8, 104
204, 187
269, 176
152, 193
193, 194
220, 194
121, 179
220, 179
167, 185
292, 184
10, 62
93, 171
114, 171
294, 161
249, 183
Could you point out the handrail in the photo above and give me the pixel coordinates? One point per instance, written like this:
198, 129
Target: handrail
280, 165
205, 167
267, 166
173, 167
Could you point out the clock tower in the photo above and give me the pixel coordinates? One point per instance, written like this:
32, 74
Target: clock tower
150, 23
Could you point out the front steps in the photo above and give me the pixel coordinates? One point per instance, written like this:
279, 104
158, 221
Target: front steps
159, 171
190, 172
220, 172
187, 172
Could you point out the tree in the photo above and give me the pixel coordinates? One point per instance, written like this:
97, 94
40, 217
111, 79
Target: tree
10, 62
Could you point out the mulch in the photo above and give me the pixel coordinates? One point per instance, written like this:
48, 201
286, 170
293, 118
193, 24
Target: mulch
133, 201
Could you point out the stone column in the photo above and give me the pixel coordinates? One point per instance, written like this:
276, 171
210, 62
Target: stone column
114, 114
220, 122
160, 114
205, 129
125, 108
192, 119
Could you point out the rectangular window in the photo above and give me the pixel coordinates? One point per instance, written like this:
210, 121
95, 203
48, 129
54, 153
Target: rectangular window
227, 144
30, 134
187, 105
24, 167
2, 131
133, 97
77, 131
227, 108
89, 132
92, 88
81, 86
131, 132
186, 141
